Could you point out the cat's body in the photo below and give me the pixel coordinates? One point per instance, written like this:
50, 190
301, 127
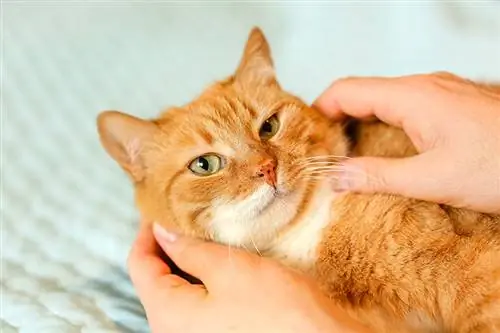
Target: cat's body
432, 267
426, 264
246, 164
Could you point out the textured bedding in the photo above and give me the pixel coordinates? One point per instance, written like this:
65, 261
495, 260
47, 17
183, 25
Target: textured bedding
67, 210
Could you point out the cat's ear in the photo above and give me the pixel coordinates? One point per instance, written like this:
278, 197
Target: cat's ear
256, 65
124, 137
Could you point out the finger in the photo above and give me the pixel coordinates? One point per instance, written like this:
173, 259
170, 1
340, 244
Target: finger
410, 177
328, 105
366, 97
212, 263
146, 268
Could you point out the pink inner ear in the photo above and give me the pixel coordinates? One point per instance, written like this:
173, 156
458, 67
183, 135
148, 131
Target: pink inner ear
133, 149
123, 136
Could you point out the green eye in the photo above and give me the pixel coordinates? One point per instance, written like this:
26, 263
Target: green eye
269, 128
206, 165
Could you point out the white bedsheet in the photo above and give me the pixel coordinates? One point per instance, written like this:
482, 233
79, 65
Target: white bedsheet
67, 213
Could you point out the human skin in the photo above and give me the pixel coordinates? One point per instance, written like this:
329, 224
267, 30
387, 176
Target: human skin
454, 124
242, 292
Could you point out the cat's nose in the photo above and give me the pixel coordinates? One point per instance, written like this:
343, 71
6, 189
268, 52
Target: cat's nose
267, 170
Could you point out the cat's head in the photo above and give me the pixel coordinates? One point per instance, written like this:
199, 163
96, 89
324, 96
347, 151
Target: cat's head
228, 166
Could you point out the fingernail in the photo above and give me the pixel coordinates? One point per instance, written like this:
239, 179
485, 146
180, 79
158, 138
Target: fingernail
163, 234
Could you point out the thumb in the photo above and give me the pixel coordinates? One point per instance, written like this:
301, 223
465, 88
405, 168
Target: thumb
410, 176
207, 261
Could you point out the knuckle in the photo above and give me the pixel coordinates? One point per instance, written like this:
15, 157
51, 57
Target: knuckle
343, 82
436, 81
445, 80
377, 182
426, 85
444, 75
422, 80
375, 179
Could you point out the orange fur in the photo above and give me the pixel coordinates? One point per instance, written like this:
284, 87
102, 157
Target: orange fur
395, 263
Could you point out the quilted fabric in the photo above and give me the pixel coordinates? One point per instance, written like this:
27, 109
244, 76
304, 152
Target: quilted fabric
67, 213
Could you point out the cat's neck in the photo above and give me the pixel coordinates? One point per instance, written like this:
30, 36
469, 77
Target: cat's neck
297, 246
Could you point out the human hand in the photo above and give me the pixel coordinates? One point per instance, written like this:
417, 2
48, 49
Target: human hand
241, 293
453, 123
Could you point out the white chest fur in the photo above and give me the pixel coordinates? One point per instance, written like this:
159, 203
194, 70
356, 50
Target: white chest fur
298, 246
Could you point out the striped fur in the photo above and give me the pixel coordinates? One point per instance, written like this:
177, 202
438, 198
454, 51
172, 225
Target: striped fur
398, 265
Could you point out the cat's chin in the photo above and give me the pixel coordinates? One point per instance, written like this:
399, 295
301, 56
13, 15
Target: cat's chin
267, 196
270, 196
280, 191
263, 212
267, 202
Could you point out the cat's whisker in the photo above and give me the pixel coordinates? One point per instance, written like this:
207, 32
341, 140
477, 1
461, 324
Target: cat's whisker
306, 163
314, 165
328, 167
323, 167
318, 180
327, 175
324, 158
246, 248
331, 160
317, 171
324, 173
320, 163
355, 171
255, 246
332, 171
320, 175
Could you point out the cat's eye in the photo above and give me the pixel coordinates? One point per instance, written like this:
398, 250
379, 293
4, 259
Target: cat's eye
269, 128
206, 165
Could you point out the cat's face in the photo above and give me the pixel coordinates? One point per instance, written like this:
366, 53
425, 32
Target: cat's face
230, 165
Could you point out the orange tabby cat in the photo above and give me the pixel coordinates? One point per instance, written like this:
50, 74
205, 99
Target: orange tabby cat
247, 164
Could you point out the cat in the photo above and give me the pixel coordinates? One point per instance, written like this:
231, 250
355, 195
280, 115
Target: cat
250, 165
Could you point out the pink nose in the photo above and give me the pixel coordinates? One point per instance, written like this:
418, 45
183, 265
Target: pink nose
268, 170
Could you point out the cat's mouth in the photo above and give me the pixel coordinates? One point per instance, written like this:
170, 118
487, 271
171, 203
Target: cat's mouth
262, 208
265, 197
271, 196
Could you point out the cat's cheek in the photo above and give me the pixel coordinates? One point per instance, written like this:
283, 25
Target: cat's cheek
288, 183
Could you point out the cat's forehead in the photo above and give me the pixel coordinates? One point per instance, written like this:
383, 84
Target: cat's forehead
221, 116
201, 129
225, 119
